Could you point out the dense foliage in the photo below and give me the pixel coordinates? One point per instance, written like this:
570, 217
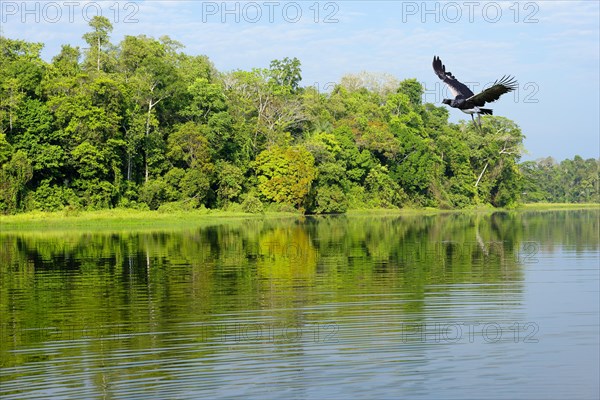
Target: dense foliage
142, 124
570, 181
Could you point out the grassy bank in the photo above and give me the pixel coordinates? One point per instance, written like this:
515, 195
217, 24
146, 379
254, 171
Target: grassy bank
126, 218
558, 206
122, 218
480, 209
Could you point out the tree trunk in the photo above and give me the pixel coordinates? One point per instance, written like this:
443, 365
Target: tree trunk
10, 104
98, 55
481, 174
146, 137
128, 166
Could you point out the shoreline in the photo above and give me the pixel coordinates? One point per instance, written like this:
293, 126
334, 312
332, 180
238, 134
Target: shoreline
131, 218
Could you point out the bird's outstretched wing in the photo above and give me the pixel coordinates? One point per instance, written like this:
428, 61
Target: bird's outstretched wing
504, 85
455, 86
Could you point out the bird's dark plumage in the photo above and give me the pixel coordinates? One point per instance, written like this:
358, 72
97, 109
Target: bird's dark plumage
501, 86
464, 99
457, 88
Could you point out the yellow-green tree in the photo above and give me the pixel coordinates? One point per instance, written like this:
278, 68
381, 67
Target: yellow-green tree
285, 174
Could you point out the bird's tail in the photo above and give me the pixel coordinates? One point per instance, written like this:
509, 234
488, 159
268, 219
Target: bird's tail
486, 111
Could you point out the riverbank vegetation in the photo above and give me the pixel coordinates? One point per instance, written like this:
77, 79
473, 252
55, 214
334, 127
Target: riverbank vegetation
570, 181
142, 125
130, 219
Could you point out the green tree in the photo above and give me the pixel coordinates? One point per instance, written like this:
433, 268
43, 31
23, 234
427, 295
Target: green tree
149, 68
66, 63
98, 55
21, 72
43, 144
329, 190
6, 149
285, 174
230, 180
413, 90
496, 154
189, 148
188, 144
271, 111
384, 191
14, 176
286, 73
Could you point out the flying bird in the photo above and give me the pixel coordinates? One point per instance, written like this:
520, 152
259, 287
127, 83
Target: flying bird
464, 99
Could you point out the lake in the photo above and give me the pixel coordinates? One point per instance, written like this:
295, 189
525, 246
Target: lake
498, 305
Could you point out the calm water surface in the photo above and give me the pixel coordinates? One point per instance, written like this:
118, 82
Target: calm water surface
502, 305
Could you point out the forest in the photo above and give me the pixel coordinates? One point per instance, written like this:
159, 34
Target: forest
570, 181
141, 124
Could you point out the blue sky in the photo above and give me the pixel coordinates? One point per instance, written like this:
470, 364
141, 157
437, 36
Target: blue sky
552, 47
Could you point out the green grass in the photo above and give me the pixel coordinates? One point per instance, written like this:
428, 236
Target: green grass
558, 206
122, 219
422, 211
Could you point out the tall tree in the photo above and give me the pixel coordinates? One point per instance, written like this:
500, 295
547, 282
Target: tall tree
98, 53
149, 70
21, 72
